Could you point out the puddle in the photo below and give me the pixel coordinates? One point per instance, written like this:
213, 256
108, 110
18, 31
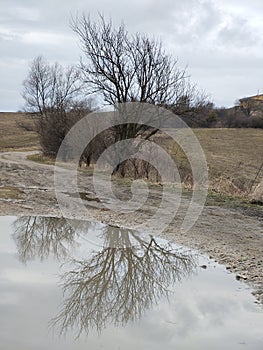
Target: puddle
78, 285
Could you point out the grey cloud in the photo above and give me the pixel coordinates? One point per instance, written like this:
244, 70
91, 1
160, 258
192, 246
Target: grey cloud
208, 36
238, 34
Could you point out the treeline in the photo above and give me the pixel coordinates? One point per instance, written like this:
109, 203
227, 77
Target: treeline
235, 117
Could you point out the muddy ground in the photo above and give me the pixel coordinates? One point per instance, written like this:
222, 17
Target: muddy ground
230, 236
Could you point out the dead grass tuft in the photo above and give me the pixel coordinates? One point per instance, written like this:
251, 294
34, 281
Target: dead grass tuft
40, 158
10, 192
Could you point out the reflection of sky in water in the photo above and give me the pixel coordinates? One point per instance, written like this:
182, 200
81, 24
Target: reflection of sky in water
208, 310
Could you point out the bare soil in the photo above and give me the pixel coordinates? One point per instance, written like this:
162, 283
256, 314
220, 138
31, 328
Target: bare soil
232, 237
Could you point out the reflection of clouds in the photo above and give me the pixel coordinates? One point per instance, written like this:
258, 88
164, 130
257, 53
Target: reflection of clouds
201, 317
205, 312
214, 313
27, 297
25, 276
6, 242
23, 321
7, 297
155, 334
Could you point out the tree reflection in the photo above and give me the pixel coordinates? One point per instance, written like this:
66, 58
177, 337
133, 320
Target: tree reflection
114, 284
117, 285
41, 237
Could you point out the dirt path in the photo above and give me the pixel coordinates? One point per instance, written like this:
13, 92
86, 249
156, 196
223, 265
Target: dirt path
230, 237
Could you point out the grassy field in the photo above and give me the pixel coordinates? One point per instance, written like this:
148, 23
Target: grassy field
234, 158
13, 137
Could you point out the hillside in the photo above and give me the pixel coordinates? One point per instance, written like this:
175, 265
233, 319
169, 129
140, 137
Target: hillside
234, 158
13, 136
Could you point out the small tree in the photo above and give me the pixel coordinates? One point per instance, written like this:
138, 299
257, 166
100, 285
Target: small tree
52, 93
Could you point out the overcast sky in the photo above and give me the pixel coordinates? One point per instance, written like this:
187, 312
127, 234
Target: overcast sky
221, 42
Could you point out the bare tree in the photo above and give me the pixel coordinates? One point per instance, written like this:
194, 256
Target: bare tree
54, 95
50, 87
132, 68
125, 68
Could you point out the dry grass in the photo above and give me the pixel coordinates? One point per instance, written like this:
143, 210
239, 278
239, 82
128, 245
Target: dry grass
10, 192
234, 158
13, 137
40, 158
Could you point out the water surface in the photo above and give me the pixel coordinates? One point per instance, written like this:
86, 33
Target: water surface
78, 285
